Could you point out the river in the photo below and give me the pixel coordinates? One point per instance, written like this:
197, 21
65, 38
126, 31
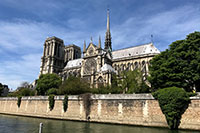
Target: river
18, 124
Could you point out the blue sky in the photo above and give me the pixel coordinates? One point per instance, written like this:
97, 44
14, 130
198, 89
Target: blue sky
25, 24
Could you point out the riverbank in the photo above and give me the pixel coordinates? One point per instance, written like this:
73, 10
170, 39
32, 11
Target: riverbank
129, 109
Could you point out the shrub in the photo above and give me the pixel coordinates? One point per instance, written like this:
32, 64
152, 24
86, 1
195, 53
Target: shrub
51, 102
19, 101
65, 103
173, 102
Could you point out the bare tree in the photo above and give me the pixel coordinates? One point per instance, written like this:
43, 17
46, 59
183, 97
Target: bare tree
24, 84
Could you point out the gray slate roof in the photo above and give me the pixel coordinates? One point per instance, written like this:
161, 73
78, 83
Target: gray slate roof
135, 51
74, 63
119, 54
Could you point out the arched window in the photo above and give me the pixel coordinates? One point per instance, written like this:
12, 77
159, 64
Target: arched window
143, 67
136, 65
121, 67
100, 82
118, 68
70, 73
128, 67
115, 67
131, 67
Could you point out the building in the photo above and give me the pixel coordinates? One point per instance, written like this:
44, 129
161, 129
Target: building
97, 64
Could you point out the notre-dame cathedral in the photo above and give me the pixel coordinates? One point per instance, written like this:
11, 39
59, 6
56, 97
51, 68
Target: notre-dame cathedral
97, 64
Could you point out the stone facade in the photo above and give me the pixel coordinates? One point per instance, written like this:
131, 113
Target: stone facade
97, 64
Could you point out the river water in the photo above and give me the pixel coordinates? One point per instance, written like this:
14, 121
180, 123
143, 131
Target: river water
18, 124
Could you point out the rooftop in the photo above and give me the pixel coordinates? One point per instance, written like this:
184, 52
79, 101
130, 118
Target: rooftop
74, 63
72, 45
148, 48
53, 38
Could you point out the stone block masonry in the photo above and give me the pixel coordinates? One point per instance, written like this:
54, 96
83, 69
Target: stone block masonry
130, 109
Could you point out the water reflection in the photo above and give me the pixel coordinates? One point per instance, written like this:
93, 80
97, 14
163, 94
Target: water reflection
16, 124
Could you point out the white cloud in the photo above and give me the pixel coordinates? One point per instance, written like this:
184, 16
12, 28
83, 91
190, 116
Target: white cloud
21, 45
25, 68
22, 42
166, 27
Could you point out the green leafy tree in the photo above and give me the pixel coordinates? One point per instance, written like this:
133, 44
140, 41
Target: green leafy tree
46, 82
1, 89
25, 92
178, 66
74, 86
113, 89
101, 90
52, 91
173, 102
22, 92
133, 82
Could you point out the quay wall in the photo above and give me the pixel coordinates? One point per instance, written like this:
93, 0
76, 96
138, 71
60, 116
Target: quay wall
130, 109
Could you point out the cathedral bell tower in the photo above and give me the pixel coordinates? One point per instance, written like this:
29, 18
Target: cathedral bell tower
108, 42
52, 60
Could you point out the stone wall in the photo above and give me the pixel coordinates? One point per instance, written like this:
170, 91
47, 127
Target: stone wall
132, 109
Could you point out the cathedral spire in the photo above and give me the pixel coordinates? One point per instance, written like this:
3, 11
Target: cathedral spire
108, 20
91, 41
108, 42
99, 46
84, 47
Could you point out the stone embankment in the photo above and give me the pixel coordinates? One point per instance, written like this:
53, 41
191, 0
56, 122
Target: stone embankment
131, 109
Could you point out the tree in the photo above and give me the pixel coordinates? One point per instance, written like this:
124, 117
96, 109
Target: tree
106, 89
22, 91
52, 91
115, 88
24, 84
46, 82
173, 102
133, 82
1, 89
178, 66
25, 92
74, 86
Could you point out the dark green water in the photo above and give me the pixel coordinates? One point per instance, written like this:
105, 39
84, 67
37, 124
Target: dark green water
16, 124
